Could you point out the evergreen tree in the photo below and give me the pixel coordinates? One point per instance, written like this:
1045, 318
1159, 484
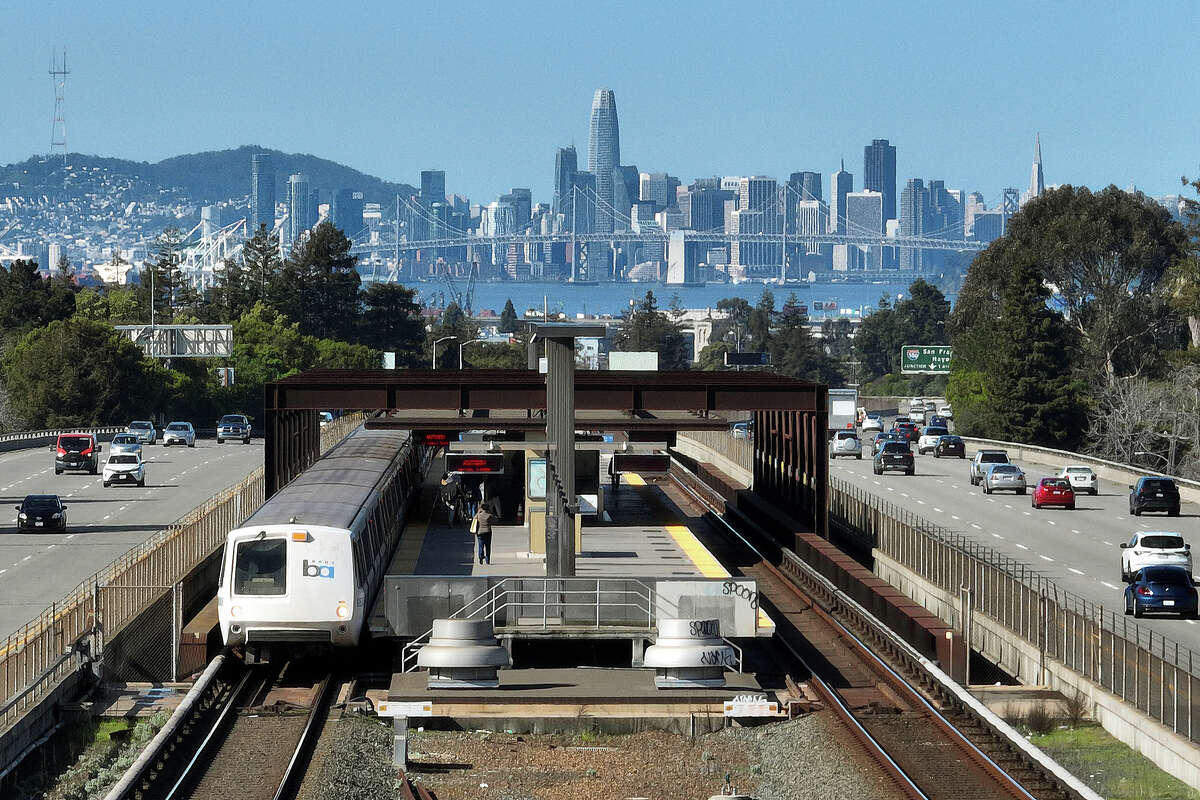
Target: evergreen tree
318, 286
645, 328
392, 322
735, 323
508, 318
760, 322
260, 257
27, 300
794, 350
161, 279
1034, 397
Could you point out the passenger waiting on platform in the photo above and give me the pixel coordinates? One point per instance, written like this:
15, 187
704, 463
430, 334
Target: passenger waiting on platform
471, 496
452, 497
481, 526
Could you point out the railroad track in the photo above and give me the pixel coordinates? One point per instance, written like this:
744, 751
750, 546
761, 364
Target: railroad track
250, 736
914, 727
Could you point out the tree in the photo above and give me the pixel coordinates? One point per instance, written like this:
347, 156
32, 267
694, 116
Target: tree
392, 322
318, 286
795, 352
1019, 388
28, 301
1105, 255
495, 355
232, 294
645, 328
78, 373
712, 357
759, 323
260, 257
918, 319
1183, 279
162, 281
508, 318
837, 337
735, 323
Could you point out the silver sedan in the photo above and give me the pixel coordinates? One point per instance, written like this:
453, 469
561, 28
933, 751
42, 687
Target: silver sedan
179, 433
1006, 477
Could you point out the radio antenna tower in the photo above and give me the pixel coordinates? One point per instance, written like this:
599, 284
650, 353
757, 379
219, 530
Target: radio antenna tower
58, 125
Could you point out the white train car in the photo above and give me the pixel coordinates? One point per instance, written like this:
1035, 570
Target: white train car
304, 568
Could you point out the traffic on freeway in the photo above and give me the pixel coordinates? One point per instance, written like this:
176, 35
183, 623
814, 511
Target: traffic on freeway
1076, 543
39, 565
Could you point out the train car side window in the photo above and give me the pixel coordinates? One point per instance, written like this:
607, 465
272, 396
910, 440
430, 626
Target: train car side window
261, 567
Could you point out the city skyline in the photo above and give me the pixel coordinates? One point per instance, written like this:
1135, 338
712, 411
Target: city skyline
970, 126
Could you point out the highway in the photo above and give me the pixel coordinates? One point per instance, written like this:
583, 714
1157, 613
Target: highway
1079, 550
37, 569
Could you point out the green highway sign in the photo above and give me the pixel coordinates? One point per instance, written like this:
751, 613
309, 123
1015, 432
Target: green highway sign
925, 359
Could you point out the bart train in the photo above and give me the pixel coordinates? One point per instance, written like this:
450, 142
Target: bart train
304, 569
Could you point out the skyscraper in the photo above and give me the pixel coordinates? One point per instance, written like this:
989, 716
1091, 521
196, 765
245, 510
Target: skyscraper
262, 192
346, 212
757, 212
841, 184
299, 205
1037, 183
626, 191
864, 213
879, 173
566, 164
932, 211
604, 153
433, 186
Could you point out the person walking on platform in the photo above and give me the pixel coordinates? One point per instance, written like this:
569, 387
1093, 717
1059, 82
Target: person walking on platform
481, 526
471, 495
451, 497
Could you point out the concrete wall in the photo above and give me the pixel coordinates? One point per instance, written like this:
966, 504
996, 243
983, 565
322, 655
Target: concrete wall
699, 452
1169, 751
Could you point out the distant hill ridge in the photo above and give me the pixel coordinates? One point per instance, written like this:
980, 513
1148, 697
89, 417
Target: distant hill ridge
210, 176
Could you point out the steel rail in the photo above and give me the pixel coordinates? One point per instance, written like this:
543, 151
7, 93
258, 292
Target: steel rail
1010, 784
289, 784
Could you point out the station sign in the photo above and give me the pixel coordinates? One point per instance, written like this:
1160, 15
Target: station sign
475, 463
405, 709
925, 359
751, 705
642, 463
436, 438
747, 359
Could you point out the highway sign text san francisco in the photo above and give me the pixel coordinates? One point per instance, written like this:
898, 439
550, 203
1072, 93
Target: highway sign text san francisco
925, 359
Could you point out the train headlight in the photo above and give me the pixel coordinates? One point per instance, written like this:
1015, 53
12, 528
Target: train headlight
343, 611
235, 611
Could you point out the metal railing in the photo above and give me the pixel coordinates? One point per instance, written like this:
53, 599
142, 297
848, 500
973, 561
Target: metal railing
46, 650
738, 451
1146, 670
30, 439
546, 603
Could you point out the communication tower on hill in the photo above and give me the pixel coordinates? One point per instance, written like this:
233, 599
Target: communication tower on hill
58, 125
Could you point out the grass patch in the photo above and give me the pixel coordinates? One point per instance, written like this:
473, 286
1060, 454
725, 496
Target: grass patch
1109, 767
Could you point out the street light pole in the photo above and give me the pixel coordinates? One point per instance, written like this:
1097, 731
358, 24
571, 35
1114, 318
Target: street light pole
1159, 456
460, 350
435, 346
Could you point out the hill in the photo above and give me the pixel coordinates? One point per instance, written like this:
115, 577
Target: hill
209, 177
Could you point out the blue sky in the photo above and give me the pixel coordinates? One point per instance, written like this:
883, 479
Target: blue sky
487, 91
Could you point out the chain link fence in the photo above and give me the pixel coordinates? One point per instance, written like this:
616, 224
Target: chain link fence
1146, 670
72, 632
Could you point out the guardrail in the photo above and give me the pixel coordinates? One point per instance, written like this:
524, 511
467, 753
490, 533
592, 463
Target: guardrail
72, 631
1110, 470
1145, 669
31, 439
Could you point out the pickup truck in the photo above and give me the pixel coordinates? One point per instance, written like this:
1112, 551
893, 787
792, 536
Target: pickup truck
983, 459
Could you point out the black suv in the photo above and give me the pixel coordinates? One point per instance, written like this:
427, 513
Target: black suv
1154, 494
41, 512
896, 456
233, 426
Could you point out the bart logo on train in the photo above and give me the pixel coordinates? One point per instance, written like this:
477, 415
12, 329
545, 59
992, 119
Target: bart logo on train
315, 569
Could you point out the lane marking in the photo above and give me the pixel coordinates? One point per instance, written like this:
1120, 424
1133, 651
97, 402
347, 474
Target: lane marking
920, 502
1006, 505
976, 527
904, 494
938, 510
1023, 547
1077, 572
1027, 513
954, 516
1051, 522
1047, 558
1109, 585
1074, 531
997, 536
1110, 544
954, 486
26, 558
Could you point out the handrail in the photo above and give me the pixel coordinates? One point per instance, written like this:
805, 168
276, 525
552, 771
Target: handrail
489, 605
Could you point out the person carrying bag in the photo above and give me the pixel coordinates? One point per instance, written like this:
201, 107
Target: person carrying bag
481, 526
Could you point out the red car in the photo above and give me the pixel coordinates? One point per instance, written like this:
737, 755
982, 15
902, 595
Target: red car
1054, 492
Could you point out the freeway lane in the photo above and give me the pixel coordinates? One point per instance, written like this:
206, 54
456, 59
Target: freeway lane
1079, 550
37, 569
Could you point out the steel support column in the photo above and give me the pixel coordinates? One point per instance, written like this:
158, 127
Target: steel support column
560, 434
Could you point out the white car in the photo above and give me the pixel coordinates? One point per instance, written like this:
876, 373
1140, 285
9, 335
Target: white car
845, 443
929, 438
916, 407
945, 411
1154, 549
124, 468
1083, 479
179, 433
872, 422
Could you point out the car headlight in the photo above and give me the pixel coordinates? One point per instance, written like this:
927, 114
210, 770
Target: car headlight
343, 611
235, 611
56, 516
22, 515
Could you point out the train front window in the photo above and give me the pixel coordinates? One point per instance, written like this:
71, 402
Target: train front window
260, 567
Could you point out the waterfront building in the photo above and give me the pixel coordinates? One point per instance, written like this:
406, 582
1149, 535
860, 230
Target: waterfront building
262, 192
757, 212
879, 173
604, 154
